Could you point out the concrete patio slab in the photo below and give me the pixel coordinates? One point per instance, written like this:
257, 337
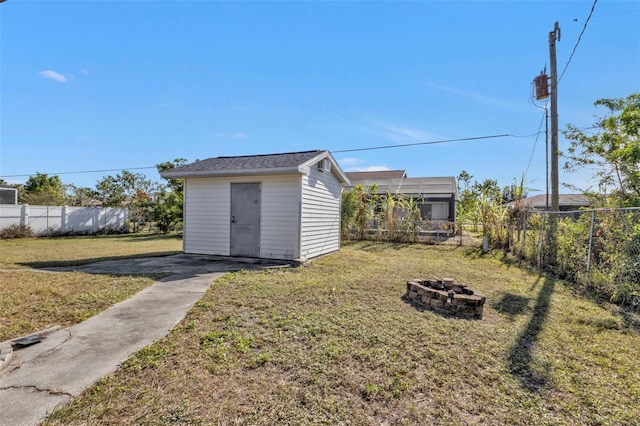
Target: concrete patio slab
40, 377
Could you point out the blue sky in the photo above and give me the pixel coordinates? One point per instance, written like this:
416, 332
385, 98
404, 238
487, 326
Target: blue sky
95, 85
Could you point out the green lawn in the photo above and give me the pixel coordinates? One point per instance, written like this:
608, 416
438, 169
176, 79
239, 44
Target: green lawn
335, 343
64, 251
34, 300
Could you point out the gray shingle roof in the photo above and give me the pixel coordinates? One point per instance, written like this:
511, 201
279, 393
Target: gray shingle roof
250, 162
285, 163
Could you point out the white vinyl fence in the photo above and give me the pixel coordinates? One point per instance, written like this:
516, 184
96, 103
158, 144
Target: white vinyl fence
57, 220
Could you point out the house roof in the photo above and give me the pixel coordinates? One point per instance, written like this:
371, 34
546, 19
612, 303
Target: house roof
265, 164
424, 187
564, 200
379, 174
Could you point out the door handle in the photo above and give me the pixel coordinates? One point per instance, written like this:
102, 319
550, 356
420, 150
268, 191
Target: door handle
233, 219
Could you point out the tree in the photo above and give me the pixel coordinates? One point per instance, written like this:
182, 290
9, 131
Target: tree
614, 150
176, 185
122, 189
81, 196
132, 190
167, 211
358, 209
471, 196
467, 199
515, 192
42, 189
464, 179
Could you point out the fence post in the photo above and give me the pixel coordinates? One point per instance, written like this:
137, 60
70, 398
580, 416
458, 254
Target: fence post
64, 220
542, 231
95, 225
593, 219
24, 215
524, 234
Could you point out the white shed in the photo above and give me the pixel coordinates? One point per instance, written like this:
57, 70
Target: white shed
276, 206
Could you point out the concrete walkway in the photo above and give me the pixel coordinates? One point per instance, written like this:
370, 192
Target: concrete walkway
40, 377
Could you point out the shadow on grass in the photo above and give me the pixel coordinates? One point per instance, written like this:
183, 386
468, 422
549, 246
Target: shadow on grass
79, 262
511, 304
380, 246
503, 256
630, 320
520, 360
374, 246
137, 236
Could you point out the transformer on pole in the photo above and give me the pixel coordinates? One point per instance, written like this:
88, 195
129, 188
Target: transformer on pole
542, 86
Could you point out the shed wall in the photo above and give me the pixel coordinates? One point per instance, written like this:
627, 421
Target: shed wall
207, 215
320, 220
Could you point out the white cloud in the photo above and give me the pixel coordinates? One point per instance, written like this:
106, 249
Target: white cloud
397, 133
350, 161
368, 169
474, 96
53, 76
238, 135
85, 72
402, 135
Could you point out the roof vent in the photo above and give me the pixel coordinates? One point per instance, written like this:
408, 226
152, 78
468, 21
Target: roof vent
324, 165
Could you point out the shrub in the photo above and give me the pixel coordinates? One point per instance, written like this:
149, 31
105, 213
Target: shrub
16, 231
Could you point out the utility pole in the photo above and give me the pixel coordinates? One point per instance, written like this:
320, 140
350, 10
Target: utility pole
555, 198
542, 92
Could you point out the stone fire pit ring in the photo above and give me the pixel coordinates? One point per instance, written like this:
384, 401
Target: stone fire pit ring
446, 296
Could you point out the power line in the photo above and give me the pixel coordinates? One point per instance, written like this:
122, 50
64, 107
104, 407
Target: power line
338, 151
544, 114
427, 143
83, 172
579, 38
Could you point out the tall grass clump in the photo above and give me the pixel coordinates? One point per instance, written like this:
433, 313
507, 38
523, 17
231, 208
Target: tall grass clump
16, 231
367, 215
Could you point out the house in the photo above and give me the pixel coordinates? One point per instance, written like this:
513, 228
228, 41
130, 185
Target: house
566, 202
376, 175
8, 196
277, 206
436, 196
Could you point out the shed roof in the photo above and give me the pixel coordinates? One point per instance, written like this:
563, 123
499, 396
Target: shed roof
264, 164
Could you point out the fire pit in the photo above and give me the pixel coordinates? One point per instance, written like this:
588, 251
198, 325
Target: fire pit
444, 295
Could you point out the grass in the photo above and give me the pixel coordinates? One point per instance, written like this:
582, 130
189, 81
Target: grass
334, 343
67, 251
33, 300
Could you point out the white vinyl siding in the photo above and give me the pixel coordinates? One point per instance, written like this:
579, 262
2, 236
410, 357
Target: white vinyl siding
320, 222
208, 213
279, 235
207, 216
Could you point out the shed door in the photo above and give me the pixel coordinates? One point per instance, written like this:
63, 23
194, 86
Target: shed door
245, 219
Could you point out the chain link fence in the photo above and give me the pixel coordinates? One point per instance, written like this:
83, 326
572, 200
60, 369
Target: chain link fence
597, 249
